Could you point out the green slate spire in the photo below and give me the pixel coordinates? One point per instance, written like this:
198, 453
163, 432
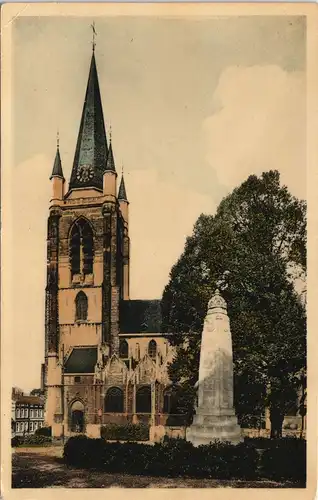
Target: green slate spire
57, 167
110, 164
91, 149
122, 190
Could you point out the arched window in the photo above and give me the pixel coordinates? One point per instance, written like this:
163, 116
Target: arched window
143, 399
123, 349
81, 248
152, 349
170, 400
137, 352
114, 400
81, 305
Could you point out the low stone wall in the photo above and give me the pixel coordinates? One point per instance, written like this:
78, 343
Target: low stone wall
255, 433
158, 432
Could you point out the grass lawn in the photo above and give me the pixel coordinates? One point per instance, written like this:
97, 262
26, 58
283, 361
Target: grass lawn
44, 468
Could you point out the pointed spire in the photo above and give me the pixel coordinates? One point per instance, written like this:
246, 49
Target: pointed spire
91, 149
110, 164
57, 167
122, 189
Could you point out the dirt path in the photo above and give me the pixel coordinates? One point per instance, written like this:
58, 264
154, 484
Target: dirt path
44, 468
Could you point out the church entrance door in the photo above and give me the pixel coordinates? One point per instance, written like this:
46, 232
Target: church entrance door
77, 417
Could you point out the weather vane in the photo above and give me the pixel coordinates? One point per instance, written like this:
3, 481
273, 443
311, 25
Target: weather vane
58, 139
94, 34
110, 132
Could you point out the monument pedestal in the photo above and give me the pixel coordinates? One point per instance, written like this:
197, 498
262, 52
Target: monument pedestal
215, 417
207, 428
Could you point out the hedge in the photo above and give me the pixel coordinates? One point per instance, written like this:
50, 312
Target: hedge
282, 459
177, 457
127, 432
44, 431
285, 459
30, 440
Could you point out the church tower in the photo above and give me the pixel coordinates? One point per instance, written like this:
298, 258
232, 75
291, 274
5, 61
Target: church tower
87, 262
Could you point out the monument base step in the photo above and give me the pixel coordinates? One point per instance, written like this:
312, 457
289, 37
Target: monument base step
205, 434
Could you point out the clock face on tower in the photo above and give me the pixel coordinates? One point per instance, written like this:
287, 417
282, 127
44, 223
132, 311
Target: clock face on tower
85, 173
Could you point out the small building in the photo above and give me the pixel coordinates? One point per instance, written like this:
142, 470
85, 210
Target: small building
28, 415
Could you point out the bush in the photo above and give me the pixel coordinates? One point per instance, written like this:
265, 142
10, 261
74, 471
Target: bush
128, 432
30, 440
44, 431
16, 441
175, 457
285, 459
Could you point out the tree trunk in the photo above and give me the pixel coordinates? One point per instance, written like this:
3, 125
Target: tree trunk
276, 418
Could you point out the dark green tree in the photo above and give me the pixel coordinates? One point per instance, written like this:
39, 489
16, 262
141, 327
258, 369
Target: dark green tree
254, 249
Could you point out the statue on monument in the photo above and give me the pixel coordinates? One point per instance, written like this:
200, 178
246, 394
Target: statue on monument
215, 417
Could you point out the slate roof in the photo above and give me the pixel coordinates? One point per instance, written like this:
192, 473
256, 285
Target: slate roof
91, 148
122, 190
110, 164
33, 400
81, 360
140, 316
57, 167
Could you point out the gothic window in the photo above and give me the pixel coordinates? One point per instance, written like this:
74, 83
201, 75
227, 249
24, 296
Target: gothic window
137, 352
152, 349
114, 400
81, 248
169, 400
81, 304
123, 349
143, 399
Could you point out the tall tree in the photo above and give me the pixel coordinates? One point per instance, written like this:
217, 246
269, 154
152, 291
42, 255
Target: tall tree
254, 249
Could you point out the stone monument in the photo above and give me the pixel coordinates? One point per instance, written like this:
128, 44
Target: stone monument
215, 416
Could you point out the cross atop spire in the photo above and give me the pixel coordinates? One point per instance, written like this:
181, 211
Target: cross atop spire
94, 34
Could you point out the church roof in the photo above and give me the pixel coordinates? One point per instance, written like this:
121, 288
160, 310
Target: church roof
33, 400
81, 360
122, 190
91, 148
140, 316
57, 167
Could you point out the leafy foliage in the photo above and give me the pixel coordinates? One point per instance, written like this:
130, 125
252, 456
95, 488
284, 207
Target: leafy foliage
254, 249
178, 457
285, 460
128, 432
43, 431
30, 440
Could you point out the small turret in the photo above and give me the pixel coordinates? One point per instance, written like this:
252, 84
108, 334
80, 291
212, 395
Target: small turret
57, 176
110, 175
122, 198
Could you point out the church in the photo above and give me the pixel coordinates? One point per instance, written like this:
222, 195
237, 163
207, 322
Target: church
105, 356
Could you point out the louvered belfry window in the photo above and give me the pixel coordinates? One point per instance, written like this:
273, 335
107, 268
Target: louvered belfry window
81, 248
